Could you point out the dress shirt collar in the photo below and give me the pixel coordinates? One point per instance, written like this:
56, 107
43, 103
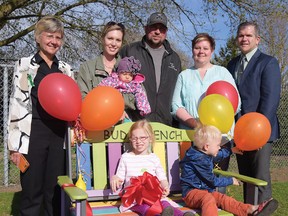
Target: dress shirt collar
250, 54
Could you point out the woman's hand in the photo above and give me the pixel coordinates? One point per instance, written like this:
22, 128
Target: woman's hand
183, 115
115, 183
15, 157
192, 123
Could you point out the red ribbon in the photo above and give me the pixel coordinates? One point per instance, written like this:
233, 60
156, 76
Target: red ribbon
143, 189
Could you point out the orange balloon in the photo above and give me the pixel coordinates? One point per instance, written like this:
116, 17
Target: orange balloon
101, 108
252, 131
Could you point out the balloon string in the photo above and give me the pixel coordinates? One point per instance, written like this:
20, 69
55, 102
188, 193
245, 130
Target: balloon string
79, 132
83, 155
78, 162
229, 135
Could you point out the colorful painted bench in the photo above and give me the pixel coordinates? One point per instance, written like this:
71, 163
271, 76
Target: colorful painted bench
98, 162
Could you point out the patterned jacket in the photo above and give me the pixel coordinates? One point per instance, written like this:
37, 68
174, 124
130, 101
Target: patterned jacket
133, 87
20, 106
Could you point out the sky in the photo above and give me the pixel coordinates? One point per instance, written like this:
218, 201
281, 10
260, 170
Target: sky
219, 30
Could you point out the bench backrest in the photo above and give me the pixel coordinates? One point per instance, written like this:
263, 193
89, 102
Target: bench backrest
99, 156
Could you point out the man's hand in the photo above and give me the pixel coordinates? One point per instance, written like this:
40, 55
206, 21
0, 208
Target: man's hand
235, 150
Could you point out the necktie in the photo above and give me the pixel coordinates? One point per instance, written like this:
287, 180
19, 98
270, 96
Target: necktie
241, 66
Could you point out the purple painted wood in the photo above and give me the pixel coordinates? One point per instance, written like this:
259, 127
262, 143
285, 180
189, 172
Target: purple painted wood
78, 208
172, 151
99, 193
114, 154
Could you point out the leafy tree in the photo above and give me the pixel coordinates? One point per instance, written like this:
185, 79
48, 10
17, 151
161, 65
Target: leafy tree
226, 53
84, 19
275, 39
83, 22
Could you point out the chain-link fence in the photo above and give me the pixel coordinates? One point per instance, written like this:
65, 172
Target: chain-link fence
9, 174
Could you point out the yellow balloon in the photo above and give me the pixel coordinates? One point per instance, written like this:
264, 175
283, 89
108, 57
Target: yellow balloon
80, 183
216, 110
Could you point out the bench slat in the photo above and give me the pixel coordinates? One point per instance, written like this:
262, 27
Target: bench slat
99, 165
114, 153
159, 150
172, 150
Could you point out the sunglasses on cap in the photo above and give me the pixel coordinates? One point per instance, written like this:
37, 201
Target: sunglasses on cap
112, 23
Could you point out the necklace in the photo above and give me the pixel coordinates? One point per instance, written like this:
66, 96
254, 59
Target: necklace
109, 64
109, 67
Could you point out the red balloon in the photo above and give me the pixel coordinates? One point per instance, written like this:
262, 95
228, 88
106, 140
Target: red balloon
226, 89
252, 131
101, 108
60, 96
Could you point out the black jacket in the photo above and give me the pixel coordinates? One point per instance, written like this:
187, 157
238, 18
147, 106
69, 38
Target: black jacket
160, 101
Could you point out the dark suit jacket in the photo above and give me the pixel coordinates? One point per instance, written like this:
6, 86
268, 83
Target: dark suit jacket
260, 88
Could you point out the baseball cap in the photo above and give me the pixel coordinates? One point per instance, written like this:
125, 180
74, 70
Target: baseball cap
157, 18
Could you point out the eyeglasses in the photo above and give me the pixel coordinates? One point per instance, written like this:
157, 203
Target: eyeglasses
112, 23
142, 138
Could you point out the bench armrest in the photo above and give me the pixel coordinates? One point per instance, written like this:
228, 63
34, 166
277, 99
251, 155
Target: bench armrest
72, 191
243, 178
64, 180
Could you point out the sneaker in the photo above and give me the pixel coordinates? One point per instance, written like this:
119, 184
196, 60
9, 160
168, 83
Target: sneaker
168, 211
188, 214
266, 208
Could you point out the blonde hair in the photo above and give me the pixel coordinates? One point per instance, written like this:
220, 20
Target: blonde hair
110, 26
48, 24
146, 126
203, 37
204, 133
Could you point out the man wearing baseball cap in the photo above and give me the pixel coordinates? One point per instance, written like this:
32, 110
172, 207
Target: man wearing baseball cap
160, 65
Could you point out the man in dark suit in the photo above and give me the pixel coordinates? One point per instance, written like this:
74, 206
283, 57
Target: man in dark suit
259, 83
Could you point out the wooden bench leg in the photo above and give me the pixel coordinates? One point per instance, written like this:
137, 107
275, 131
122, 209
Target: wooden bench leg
80, 208
63, 202
252, 194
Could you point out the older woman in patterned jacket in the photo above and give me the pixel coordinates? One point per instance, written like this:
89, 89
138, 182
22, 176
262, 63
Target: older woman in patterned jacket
32, 131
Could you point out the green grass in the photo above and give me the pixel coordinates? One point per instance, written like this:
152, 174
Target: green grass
280, 191
9, 201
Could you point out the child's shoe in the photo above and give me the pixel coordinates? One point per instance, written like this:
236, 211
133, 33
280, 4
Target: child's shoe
188, 214
168, 211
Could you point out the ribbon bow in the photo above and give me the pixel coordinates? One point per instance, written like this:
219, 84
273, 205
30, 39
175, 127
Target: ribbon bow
79, 132
143, 189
